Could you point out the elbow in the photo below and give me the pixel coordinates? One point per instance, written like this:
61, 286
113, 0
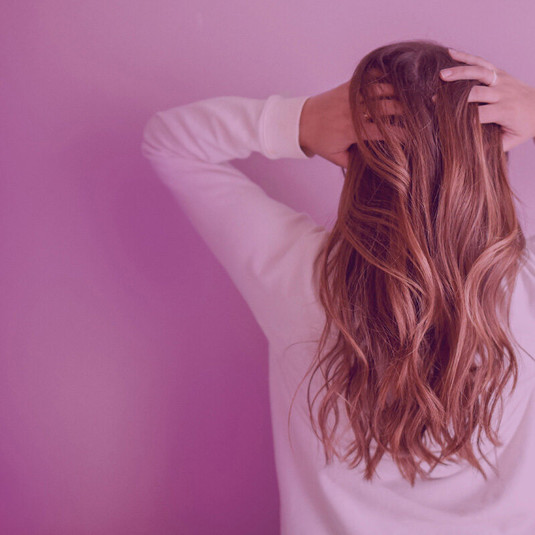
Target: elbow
153, 141
166, 135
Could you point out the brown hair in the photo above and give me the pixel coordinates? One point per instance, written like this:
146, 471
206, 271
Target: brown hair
417, 274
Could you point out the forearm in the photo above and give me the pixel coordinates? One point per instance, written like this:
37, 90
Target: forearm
221, 129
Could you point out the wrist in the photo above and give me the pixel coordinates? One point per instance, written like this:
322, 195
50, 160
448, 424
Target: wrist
309, 153
305, 128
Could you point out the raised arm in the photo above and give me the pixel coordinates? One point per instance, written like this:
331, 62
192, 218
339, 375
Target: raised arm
262, 243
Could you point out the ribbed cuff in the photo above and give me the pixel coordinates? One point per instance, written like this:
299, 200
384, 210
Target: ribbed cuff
279, 127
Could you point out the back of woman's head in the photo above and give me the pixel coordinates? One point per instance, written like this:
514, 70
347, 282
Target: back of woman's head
417, 274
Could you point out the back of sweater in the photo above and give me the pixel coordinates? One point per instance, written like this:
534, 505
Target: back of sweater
267, 249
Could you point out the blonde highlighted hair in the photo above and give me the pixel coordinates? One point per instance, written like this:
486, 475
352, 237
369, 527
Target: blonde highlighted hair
417, 274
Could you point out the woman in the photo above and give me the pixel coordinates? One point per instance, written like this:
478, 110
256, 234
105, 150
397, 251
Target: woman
398, 317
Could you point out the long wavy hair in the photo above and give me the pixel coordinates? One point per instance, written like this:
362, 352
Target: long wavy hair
417, 274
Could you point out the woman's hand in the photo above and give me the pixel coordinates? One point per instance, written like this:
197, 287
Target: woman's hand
326, 127
508, 101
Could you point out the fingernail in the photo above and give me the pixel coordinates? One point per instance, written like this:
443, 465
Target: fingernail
452, 50
446, 73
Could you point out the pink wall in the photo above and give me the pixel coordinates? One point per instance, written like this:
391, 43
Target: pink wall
133, 378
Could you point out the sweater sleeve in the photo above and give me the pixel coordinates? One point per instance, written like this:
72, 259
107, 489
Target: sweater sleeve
265, 246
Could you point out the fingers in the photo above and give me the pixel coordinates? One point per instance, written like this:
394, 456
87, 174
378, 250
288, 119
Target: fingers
378, 90
392, 107
470, 72
382, 90
477, 68
489, 113
372, 132
482, 93
469, 58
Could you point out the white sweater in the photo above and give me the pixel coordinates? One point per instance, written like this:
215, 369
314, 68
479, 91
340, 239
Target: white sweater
267, 249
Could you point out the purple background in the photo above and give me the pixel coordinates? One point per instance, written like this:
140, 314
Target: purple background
133, 378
